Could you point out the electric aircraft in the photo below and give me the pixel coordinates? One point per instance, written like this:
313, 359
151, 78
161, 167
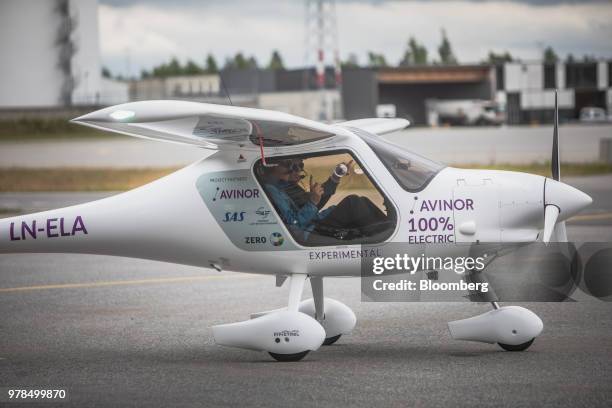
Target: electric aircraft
225, 212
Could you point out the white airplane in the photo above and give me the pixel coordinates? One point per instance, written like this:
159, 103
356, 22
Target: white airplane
299, 199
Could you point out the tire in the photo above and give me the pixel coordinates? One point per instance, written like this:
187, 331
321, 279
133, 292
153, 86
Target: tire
289, 357
481, 122
331, 340
518, 347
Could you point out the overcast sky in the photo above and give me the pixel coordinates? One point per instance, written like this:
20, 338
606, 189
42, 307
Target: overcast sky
141, 34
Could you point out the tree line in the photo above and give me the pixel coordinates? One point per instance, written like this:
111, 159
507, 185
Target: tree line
415, 54
209, 66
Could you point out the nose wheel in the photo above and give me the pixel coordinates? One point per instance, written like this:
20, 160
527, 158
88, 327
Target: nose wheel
289, 357
331, 340
517, 347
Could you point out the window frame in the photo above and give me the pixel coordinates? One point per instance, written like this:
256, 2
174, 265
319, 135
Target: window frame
321, 153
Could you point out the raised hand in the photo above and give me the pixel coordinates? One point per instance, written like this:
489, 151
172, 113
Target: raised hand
316, 191
351, 166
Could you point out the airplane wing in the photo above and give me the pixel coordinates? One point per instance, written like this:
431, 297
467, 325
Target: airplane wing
378, 126
207, 125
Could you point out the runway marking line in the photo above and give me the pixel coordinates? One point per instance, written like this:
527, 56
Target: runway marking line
127, 282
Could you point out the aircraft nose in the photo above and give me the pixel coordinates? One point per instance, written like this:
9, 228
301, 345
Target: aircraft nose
568, 199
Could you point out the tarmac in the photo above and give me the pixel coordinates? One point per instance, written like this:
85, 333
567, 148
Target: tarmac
127, 332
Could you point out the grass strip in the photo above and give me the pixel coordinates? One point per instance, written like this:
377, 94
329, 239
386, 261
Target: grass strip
77, 179
32, 129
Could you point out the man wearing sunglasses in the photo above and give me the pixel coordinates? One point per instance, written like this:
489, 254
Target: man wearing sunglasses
299, 195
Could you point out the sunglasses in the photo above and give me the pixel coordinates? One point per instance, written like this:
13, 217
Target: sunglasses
292, 166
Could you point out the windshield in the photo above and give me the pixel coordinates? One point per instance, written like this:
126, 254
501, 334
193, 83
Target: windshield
412, 172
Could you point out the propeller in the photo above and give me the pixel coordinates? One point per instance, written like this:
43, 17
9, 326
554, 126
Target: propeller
561, 200
551, 211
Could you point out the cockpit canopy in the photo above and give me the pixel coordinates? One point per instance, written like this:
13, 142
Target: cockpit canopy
412, 171
278, 134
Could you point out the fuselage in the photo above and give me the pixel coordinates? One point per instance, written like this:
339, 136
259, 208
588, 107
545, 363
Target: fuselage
217, 213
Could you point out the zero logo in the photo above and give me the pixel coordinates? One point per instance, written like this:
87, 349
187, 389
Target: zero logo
255, 240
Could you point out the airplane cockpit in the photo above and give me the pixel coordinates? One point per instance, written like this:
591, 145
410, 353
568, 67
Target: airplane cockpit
326, 198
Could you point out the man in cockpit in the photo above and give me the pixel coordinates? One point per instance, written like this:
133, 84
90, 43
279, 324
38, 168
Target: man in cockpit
299, 195
301, 210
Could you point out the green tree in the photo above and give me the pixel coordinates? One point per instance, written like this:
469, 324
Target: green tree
415, 54
549, 56
252, 62
174, 67
171, 68
499, 58
376, 60
191, 68
276, 62
240, 61
351, 62
211, 64
144, 74
445, 51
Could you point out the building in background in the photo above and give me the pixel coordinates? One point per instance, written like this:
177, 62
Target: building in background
51, 59
292, 91
191, 87
527, 89
409, 88
51, 56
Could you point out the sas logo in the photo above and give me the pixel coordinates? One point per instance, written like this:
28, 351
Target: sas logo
276, 238
235, 216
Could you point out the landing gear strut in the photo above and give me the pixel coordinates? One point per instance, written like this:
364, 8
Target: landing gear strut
286, 334
289, 334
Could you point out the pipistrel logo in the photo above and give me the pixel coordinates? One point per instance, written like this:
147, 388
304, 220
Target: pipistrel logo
287, 333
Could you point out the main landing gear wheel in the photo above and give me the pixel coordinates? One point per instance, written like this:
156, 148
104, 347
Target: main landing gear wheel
331, 340
518, 347
289, 357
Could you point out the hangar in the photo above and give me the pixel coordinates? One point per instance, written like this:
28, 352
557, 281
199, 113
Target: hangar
408, 88
525, 90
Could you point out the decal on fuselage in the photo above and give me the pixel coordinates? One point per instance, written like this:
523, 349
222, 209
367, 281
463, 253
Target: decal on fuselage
47, 228
432, 220
238, 206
